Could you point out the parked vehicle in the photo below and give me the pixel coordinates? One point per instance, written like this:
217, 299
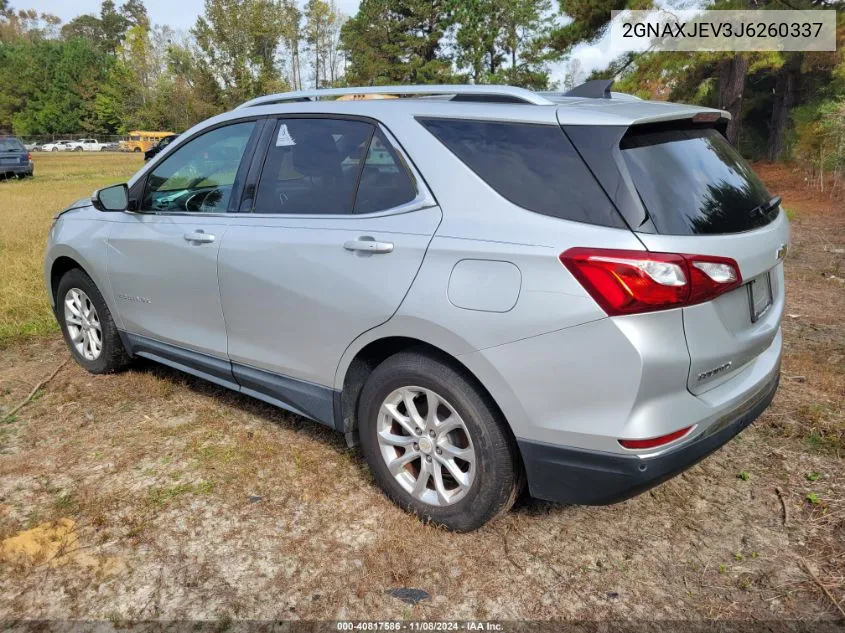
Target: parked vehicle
141, 141
14, 158
86, 145
155, 149
483, 287
31, 147
56, 146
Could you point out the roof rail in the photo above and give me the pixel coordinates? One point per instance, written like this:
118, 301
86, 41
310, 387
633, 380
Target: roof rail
501, 94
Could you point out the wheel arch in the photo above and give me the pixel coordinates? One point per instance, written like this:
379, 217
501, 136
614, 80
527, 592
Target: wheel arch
360, 360
63, 258
62, 265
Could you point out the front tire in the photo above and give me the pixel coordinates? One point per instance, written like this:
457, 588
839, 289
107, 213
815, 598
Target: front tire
435, 442
87, 325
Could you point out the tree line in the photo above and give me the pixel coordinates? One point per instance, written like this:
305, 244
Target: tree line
116, 71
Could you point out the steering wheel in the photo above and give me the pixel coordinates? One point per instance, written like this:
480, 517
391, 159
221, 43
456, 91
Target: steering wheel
197, 202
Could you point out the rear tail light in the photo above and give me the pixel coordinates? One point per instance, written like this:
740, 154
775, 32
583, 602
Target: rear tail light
631, 282
29, 155
654, 442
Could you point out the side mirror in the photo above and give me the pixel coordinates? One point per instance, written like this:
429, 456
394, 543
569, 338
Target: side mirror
114, 198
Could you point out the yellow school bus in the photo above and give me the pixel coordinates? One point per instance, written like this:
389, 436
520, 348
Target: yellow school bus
141, 141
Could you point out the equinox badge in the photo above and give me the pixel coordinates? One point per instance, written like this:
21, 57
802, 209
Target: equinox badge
713, 372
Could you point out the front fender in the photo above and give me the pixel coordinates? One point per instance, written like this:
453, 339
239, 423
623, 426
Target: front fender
84, 241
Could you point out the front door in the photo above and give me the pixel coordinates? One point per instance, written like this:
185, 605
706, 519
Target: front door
337, 232
163, 258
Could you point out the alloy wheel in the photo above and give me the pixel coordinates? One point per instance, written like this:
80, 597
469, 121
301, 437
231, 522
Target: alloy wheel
83, 324
426, 446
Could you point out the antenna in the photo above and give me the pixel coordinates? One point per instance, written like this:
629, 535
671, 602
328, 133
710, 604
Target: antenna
595, 89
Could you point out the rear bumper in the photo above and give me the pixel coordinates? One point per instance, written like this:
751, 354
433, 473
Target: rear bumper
577, 476
17, 169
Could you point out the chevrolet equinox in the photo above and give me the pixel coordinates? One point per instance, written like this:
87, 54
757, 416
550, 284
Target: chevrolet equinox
484, 286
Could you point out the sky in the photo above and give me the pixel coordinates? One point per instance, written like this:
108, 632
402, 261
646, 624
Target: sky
182, 14
178, 14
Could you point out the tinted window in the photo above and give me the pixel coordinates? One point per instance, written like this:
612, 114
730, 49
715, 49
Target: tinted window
11, 145
385, 182
199, 176
312, 166
534, 166
694, 182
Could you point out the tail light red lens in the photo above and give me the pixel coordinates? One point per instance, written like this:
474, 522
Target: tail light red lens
29, 155
654, 442
631, 282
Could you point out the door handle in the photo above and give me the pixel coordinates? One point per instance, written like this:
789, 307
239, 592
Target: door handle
368, 245
199, 237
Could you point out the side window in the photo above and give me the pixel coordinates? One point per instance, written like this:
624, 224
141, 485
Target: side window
533, 166
385, 182
313, 166
199, 176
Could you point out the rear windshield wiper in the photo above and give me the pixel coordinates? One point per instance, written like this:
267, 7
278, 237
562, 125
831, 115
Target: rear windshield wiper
763, 209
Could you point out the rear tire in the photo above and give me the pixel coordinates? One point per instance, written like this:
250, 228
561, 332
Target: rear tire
463, 452
87, 325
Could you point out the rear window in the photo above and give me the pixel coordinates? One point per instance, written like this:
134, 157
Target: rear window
11, 145
533, 166
692, 181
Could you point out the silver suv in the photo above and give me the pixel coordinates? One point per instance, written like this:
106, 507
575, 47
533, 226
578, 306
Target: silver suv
481, 285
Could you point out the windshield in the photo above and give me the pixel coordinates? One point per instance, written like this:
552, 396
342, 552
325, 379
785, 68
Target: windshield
692, 181
11, 145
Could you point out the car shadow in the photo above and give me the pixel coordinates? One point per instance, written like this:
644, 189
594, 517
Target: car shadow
333, 440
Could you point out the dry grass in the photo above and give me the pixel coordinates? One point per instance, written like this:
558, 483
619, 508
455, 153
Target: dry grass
194, 502
26, 209
811, 402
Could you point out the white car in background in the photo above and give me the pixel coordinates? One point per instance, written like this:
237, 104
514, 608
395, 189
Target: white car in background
56, 146
87, 145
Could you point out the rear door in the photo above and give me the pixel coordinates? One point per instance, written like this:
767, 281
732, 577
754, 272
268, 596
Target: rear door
702, 198
332, 232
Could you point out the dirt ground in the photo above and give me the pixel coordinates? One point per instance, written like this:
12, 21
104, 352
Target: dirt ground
152, 495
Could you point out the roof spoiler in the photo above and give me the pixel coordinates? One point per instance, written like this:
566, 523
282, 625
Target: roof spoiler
595, 89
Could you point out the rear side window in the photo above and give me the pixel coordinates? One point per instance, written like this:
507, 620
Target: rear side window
331, 167
533, 166
692, 181
312, 166
385, 182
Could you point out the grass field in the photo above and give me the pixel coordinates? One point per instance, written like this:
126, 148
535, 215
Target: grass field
152, 495
26, 210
